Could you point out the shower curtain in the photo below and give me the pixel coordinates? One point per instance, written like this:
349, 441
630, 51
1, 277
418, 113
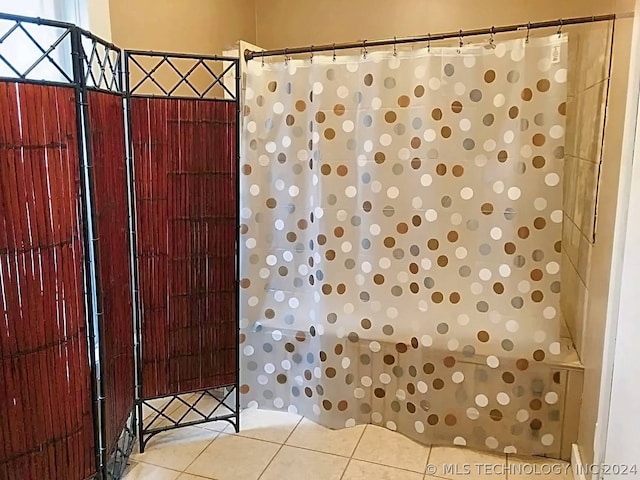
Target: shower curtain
401, 223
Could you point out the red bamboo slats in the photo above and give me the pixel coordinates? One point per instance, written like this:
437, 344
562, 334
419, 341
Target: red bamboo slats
46, 425
110, 206
185, 180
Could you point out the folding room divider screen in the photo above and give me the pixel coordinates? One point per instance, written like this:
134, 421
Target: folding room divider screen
79, 347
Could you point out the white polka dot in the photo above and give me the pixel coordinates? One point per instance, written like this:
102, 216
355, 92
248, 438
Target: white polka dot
392, 312
416, 202
385, 378
461, 253
248, 351
422, 387
544, 64
549, 313
456, 219
276, 335
496, 233
500, 50
426, 180
288, 256
278, 108
419, 426
503, 398
341, 215
342, 91
553, 268
463, 319
522, 416
434, 83
466, 193
318, 88
385, 139
352, 67
393, 192
540, 203
294, 191
465, 124
526, 151
374, 229
351, 191
517, 53
539, 336
251, 127
485, 274
510, 449
547, 440
514, 193
263, 380
493, 361
426, 264
459, 441
509, 136
469, 61
482, 400
457, 377
404, 154
524, 286
453, 344
556, 131
366, 381
473, 413
431, 215
476, 288
376, 186
269, 368
270, 147
489, 145
499, 100
429, 135
491, 443
512, 326
552, 179
459, 88
480, 160
384, 263
426, 340
420, 71
554, 348
505, 270
264, 160
498, 187
264, 273
346, 247
358, 392
348, 126
423, 306
376, 103
551, 398
561, 75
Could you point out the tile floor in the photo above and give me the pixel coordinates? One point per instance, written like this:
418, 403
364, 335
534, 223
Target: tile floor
284, 446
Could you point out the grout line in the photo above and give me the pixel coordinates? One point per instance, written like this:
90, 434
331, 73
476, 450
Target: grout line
202, 451
281, 445
353, 452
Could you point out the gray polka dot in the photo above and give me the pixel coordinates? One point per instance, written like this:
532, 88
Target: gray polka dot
442, 328
397, 169
449, 70
389, 82
475, 95
416, 123
399, 129
469, 144
485, 249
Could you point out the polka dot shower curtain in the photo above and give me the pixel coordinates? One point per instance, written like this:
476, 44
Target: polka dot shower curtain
401, 227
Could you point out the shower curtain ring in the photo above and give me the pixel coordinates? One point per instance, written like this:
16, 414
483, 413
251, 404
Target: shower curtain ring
334, 52
492, 43
429, 42
262, 58
560, 28
286, 56
526, 40
461, 42
395, 50
311, 57
364, 49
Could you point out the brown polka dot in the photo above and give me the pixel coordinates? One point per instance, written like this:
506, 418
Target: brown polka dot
509, 248
514, 112
325, 169
269, 313
445, 132
330, 372
502, 156
326, 288
543, 85
290, 120
245, 283
450, 420
526, 94
416, 163
366, 206
338, 349
535, 424
342, 405
443, 261
538, 139
414, 287
437, 297
538, 161
536, 275
379, 392
390, 116
535, 404
489, 76
539, 223
338, 232
438, 384
441, 169
508, 377
458, 170
302, 224
389, 242
329, 134
522, 364
320, 117
416, 142
401, 347
495, 414
403, 101
379, 157
486, 208
538, 355
413, 268
402, 228
449, 361
342, 170
272, 86
537, 296
523, 232
339, 109
433, 419
389, 359
271, 203
365, 323
418, 91
498, 288
436, 114
562, 108
483, 336
378, 279
433, 244
368, 79
244, 389
456, 107
416, 220
452, 236
454, 298
411, 408
246, 111
558, 246
341, 288
301, 106
244, 229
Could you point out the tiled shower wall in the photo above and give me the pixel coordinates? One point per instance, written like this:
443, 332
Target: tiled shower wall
589, 58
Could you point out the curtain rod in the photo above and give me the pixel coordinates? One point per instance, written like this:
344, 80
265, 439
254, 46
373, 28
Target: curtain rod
251, 54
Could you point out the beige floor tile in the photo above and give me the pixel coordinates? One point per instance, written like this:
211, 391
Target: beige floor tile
521, 468
144, 471
316, 437
188, 476
176, 449
459, 462
232, 457
272, 426
358, 470
295, 464
379, 445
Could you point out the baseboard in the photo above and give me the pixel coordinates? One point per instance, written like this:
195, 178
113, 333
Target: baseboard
576, 459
